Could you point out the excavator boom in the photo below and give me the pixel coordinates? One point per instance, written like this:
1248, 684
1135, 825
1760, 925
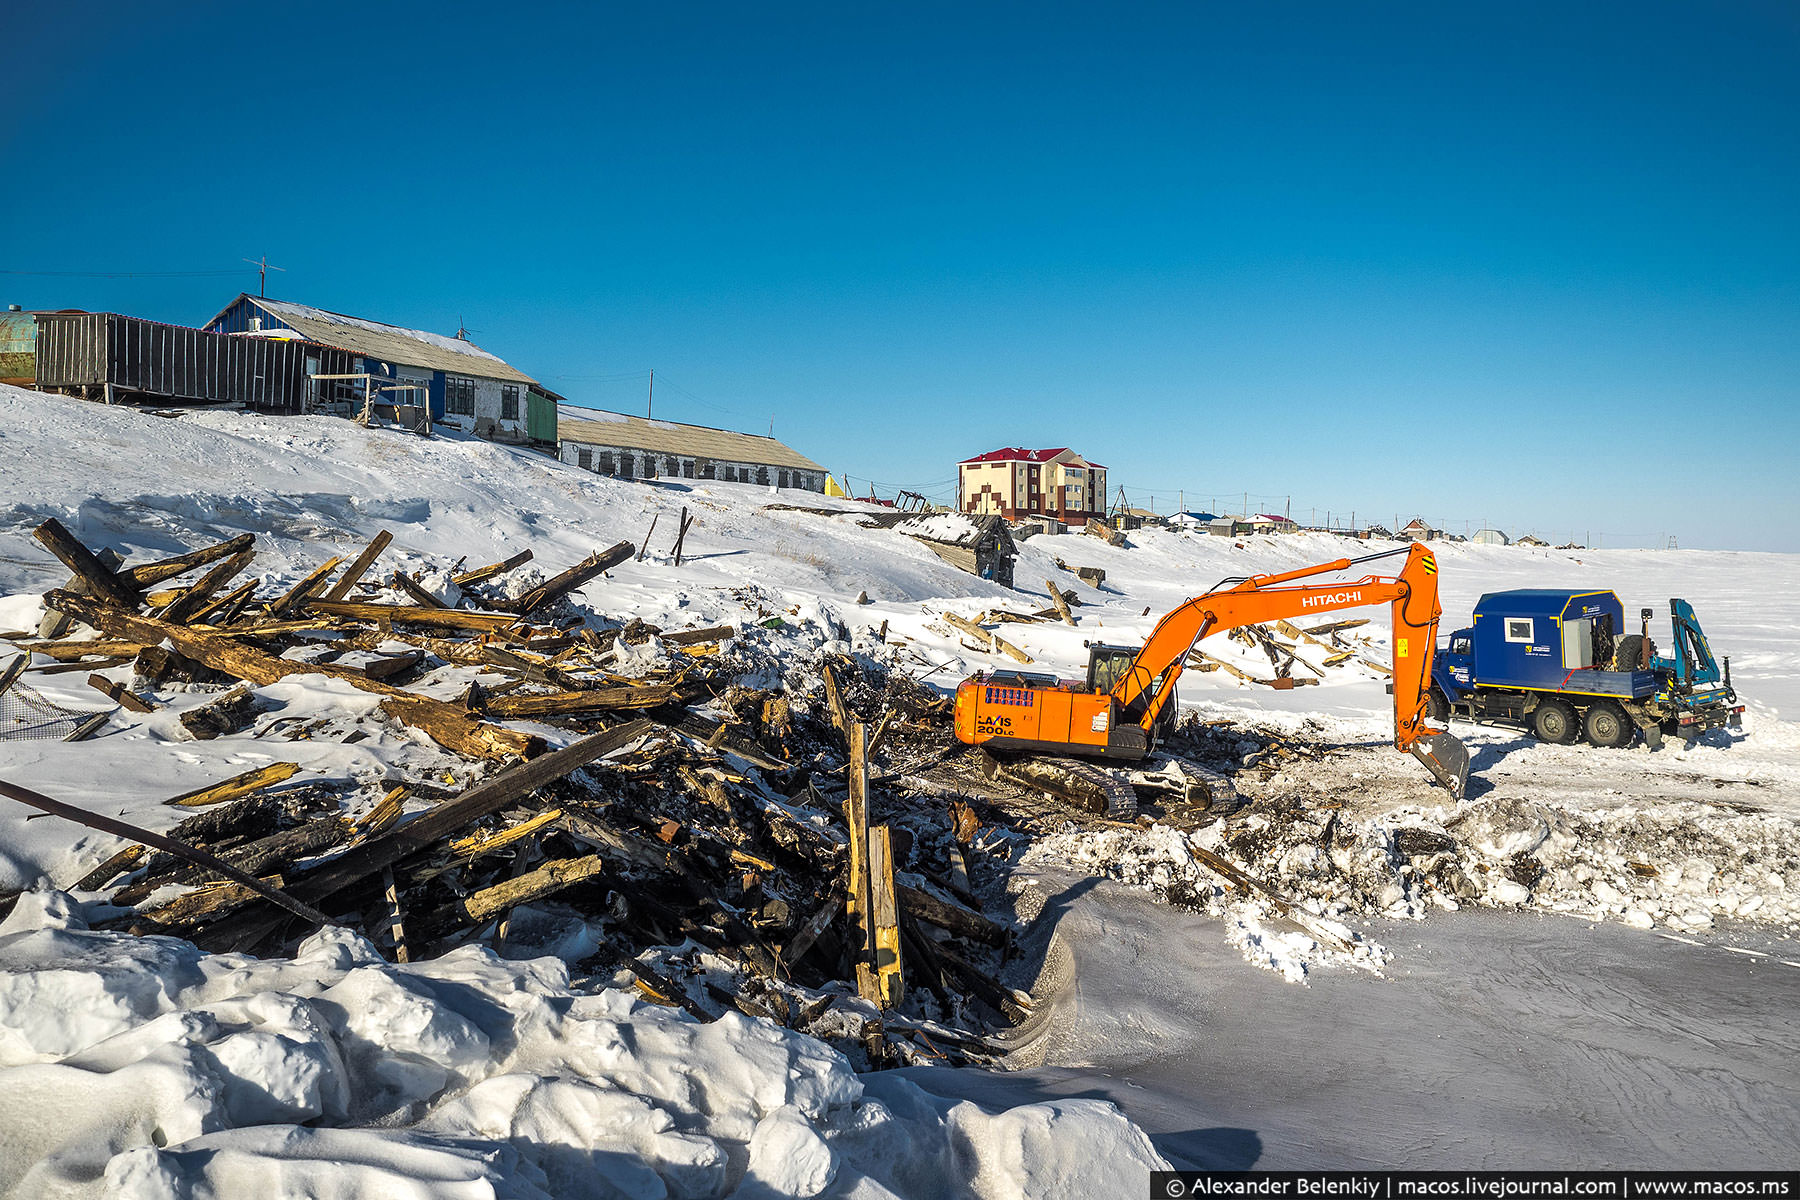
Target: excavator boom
1121, 721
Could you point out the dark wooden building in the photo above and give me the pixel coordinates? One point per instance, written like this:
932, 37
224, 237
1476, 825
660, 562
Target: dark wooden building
106, 356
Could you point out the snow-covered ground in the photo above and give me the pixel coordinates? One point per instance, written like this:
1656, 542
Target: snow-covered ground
342, 1074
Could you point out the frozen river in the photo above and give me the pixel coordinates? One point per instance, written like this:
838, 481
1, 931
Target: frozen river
1494, 1040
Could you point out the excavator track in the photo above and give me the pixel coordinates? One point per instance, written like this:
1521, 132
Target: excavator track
1086, 785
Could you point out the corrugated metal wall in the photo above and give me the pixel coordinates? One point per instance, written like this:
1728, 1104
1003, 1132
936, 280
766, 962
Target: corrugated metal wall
171, 362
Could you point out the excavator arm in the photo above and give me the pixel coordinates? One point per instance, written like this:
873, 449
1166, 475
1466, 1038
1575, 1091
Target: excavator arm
1144, 690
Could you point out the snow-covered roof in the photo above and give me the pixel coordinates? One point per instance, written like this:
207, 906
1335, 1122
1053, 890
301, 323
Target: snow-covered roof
596, 427
388, 343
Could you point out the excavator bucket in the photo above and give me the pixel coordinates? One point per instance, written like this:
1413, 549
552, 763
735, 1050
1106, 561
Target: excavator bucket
1446, 758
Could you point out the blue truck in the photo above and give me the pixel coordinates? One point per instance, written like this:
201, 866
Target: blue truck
1561, 664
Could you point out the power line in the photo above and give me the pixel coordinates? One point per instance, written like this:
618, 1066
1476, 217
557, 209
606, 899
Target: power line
130, 274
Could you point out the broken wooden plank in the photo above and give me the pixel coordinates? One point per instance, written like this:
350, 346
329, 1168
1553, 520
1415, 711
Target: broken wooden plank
491, 570
648, 534
884, 919
390, 892
484, 799
100, 580
444, 723
682, 532
597, 700
481, 907
947, 914
1062, 605
298, 594
199, 857
560, 586
359, 566
226, 608
811, 928
168, 568
858, 900
412, 587
406, 614
237, 786
88, 727
1111, 537
1230, 667
387, 668
9, 674
117, 693
994, 640
691, 637
196, 598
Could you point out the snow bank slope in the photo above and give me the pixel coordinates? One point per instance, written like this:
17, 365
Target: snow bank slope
142, 1068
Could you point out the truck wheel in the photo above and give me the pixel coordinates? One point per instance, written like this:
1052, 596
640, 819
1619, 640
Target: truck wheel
1437, 706
1606, 726
1629, 654
1553, 722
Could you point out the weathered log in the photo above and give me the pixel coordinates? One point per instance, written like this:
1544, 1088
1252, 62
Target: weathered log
237, 787
297, 595
387, 668
168, 568
10, 673
413, 588
994, 640
488, 572
70, 651
196, 598
101, 581
264, 856
560, 586
691, 637
1062, 605
625, 849
359, 566
119, 828
947, 914
226, 608
564, 703
406, 614
548, 879
444, 723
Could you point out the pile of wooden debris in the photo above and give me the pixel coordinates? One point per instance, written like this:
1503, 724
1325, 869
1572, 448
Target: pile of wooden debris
714, 845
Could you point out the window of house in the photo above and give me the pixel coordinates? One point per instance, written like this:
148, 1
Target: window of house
727, 475
607, 466
626, 462
762, 475
584, 459
1518, 629
687, 468
671, 468
509, 403
782, 480
706, 469
649, 466
459, 396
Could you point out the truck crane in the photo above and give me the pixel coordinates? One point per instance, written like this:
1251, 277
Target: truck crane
1127, 701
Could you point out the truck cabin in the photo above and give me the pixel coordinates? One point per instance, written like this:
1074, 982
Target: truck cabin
1534, 636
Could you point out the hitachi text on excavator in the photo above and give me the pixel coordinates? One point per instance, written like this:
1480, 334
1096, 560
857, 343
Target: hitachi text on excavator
1127, 701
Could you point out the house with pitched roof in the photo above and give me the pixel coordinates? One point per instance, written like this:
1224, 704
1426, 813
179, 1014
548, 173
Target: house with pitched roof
628, 447
1016, 483
463, 385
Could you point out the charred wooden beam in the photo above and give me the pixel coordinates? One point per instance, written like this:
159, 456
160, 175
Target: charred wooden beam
946, 914
117, 693
413, 588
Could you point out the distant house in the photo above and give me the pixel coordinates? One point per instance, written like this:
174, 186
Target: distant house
1015, 482
1420, 530
1490, 537
458, 382
1229, 527
1373, 533
1193, 521
1270, 523
628, 447
1528, 540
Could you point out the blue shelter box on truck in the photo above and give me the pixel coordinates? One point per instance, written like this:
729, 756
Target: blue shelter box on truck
1563, 664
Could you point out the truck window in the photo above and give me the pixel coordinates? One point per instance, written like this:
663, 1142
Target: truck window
1518, 629
1460, 645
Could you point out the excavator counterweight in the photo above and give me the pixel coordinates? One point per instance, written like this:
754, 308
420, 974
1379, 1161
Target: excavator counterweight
1128, 698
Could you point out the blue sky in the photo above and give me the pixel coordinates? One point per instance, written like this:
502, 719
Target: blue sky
1531, 265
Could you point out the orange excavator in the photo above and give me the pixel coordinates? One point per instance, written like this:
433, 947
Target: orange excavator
1127, 701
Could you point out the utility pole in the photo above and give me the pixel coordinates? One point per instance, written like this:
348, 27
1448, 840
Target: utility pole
262, 273
650, 400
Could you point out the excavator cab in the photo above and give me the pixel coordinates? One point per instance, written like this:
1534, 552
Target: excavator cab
1108, 664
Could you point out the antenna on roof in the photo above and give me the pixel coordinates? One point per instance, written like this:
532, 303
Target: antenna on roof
462, 331
262, 273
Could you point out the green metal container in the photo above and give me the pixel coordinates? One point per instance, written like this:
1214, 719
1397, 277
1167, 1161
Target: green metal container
540, 418
18, 348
